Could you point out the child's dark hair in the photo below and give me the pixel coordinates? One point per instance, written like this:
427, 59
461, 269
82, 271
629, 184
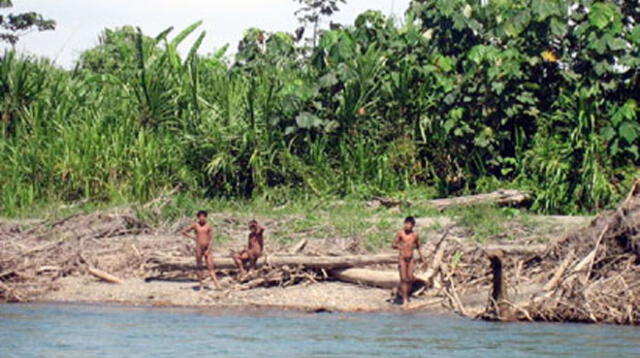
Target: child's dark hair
202, 213
410, 219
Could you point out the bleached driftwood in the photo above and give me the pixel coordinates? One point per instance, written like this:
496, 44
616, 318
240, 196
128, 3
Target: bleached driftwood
502, 197
167, 263
104, 275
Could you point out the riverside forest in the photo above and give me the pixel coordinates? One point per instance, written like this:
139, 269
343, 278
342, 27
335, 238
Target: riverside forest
457, 97
496, 139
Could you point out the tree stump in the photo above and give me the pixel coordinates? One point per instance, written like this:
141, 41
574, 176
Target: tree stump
499, 305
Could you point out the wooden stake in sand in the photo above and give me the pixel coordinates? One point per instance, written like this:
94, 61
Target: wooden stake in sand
499, 302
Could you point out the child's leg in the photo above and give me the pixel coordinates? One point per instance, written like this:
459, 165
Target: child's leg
199, 265
410, 277
214, 278
410, 270
403, 280
237, 258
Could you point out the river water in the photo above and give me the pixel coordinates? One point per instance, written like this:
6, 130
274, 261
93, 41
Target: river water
84, 331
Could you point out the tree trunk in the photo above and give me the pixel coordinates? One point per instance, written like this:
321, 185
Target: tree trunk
382, 279
318, 262
499, 304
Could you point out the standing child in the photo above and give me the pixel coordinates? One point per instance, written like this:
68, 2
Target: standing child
405, 242
253, 250
203, 238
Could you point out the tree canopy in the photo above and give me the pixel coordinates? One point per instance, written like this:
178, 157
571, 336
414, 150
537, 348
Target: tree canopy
13, 26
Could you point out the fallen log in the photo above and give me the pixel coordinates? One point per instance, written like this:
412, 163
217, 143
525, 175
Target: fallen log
360, 276
375, 278
104, 275
502, 197
165, 263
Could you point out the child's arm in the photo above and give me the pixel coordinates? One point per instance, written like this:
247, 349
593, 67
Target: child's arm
396, 241
186, 231
259, 228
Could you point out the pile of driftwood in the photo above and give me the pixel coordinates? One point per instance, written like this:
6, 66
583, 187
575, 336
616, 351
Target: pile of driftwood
593, 275
455, 271
32, 259
272, 271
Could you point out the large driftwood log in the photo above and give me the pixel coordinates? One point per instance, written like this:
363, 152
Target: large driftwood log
382, 279
164, 263
375, 278
501, 197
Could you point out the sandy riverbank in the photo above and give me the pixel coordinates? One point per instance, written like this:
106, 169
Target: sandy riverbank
49, 260
316, 297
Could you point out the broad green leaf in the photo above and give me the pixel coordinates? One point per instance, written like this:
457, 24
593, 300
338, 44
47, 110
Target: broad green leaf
163, 35
497, 87
599, 45
446, 82
616, 43
545, 8
631, 108
307, 120
328, 80
558, 27
196, 46
628, 131
449, 124
635, 34
457, 113
607, 133
510, 29
328, 39
185, 33
476, 54
445, 63
601, 14
480, 53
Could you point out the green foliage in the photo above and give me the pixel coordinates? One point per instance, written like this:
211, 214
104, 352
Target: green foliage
12, 26
463, 96
310, 13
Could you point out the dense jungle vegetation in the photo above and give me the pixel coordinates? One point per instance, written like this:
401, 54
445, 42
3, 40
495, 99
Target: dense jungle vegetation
459, 96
